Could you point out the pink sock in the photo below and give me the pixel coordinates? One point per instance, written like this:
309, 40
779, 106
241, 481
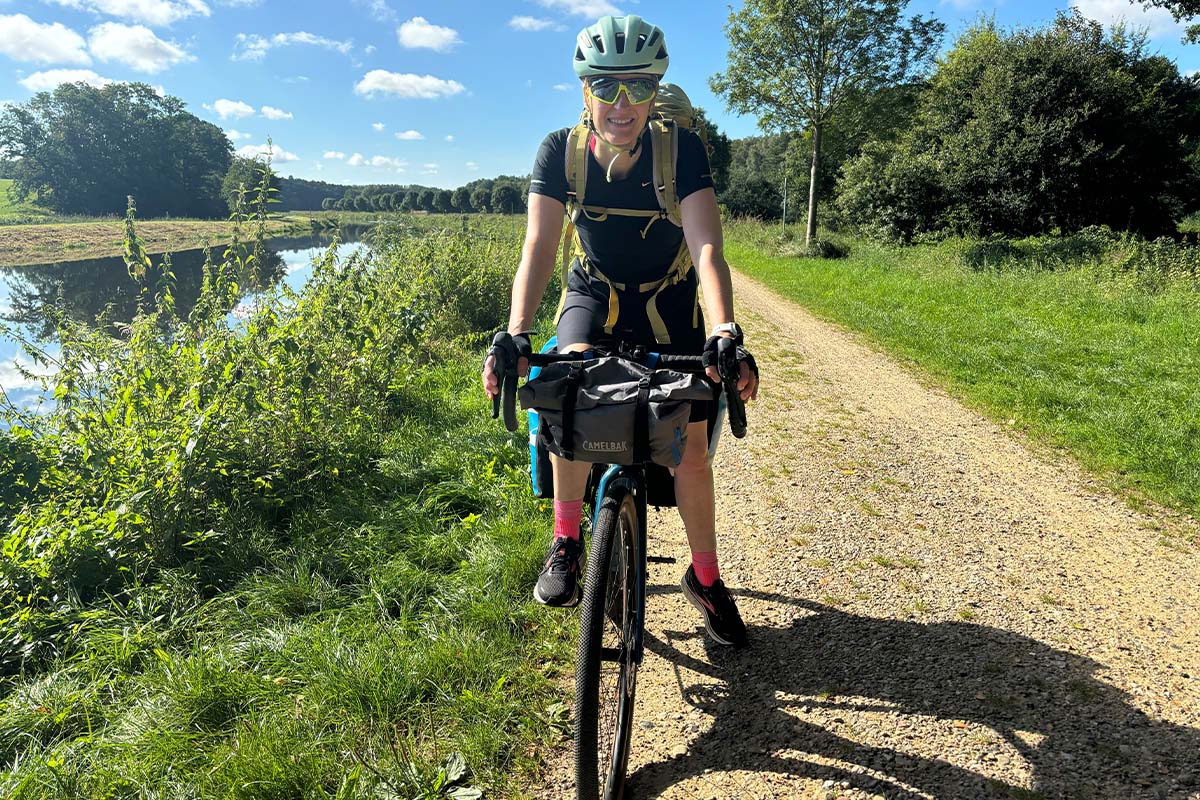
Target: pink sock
705, 566
566, 519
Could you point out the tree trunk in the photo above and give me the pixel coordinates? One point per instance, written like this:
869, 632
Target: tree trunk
812, 187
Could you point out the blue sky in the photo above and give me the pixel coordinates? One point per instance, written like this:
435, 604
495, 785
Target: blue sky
394, 91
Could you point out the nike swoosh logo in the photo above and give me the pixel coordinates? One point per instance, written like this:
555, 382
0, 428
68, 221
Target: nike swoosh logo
645, 184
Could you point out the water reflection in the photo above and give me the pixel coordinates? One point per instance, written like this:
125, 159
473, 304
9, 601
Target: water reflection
32, 297
84, 290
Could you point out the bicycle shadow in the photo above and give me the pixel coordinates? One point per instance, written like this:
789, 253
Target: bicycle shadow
1076, 736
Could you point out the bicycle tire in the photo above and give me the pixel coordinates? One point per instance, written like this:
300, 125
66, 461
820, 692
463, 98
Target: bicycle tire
605, 687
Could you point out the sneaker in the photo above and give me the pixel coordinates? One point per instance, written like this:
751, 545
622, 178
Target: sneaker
558, 585
715, 604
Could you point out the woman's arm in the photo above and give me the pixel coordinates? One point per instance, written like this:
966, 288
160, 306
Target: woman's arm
539, 256
702, 230
543, 227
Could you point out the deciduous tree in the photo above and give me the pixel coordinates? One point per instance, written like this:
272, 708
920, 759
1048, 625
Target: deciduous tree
796, 63
83, 150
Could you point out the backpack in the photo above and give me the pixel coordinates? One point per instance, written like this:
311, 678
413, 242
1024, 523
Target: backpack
672, 111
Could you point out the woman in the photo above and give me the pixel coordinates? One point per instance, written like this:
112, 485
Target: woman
620, 61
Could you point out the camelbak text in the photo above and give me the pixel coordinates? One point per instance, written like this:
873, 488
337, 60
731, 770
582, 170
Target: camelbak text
606, 447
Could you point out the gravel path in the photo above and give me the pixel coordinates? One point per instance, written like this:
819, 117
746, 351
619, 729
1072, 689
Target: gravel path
937, 609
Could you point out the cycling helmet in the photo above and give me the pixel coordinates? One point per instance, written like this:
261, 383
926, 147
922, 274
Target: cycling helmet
620, 44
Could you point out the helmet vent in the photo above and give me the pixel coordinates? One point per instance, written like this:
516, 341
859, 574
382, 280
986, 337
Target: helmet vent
662, 53
620, 42
579, 54
599, 42
653, 38
641, 42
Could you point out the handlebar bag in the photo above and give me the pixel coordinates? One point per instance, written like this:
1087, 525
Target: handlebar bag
614, 411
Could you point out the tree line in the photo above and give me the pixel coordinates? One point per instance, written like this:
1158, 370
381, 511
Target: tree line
1010, 132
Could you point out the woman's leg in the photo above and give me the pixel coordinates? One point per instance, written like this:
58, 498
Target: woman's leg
570, 477
694, 491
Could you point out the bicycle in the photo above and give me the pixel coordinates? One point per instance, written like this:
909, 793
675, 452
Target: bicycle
614, 596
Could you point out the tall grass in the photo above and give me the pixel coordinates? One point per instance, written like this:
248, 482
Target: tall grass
1089, 342
283, 557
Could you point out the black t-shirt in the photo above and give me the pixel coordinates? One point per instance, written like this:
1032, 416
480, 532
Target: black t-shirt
615, 245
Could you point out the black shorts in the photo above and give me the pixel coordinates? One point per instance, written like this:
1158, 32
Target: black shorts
585, 311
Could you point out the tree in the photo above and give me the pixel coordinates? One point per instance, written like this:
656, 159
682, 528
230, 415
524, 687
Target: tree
425, 200
83, 150
506, 199
722, 154
752, 196
362, 203
481, 199
1034, 131
245, 174
410, 201
444, 202
328, 204
1181, 10
461, 199
795, 63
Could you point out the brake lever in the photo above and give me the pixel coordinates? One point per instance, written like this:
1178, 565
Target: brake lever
727, 368
501, 345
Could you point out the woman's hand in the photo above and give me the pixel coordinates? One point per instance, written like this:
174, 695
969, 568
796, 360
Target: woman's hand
747, 368
517, 349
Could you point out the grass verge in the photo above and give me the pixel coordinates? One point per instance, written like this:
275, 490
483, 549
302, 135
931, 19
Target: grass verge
1102, 361
287, 559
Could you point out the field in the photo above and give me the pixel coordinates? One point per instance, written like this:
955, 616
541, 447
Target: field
1090, 343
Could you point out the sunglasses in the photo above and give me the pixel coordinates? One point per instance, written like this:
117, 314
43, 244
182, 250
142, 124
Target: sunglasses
637, 90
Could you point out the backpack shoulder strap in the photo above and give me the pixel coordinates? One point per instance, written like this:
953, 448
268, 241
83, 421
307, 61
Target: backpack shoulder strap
665, 142
576, 156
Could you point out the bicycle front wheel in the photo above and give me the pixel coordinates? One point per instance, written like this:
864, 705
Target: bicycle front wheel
606, 672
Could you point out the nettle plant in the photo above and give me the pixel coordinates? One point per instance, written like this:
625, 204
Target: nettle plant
186, 443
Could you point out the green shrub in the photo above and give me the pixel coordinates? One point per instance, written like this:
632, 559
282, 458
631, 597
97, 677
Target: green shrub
1034, 131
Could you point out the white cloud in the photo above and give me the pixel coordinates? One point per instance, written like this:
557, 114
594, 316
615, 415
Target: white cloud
357, 160
261, 151
334, 154
46, 81
449, 137
583, 8
135, 46
407, 85
296, 79
270, 112
252, 47
12, 379
409, 136
1158, 21
152, 12
523, 23
369, 49
419, 32
430, 166
563, 87
235, 135
22, 39
378, 9
379, 126
231, 108
471, 165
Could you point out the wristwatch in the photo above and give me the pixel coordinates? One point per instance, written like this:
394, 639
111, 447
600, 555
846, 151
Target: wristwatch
732, 328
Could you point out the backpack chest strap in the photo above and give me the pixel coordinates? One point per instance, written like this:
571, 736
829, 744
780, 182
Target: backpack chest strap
676, 273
